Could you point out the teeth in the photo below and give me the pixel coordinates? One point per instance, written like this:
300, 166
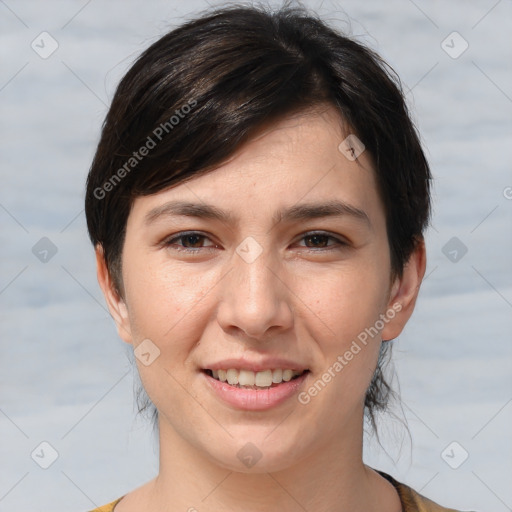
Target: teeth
287, 375
247, 378
277, 376
232, 376
263, 379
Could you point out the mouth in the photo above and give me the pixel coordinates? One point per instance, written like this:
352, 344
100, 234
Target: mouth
262, 380
262, 385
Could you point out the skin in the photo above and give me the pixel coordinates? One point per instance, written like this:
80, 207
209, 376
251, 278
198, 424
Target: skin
304, 299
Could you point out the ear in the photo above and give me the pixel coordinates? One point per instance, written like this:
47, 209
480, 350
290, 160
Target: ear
404, 292
115, 303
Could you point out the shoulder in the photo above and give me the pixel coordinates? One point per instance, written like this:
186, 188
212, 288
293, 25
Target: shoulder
411, 500
107, 508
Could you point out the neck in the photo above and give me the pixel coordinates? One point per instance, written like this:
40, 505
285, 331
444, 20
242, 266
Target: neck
331, 478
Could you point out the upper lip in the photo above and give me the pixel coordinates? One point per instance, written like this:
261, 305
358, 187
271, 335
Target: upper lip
269, 363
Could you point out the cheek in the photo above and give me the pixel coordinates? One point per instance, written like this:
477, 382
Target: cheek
166, 306
344, 303
344, 309
164, 298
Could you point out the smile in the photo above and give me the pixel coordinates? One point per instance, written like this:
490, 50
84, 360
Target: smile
254, 380
248, 390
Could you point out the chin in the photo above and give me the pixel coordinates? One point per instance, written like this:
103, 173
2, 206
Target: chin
255, 451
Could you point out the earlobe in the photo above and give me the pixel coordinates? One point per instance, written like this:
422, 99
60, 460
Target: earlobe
115, 302
404, 292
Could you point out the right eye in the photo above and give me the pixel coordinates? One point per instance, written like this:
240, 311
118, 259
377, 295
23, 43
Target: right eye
189, 238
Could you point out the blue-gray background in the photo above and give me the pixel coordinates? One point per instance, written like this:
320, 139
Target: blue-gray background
65, 378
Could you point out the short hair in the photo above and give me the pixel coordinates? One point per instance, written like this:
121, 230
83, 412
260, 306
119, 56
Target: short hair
199, 92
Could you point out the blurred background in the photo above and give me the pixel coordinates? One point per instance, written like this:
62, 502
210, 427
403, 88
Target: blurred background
69, 435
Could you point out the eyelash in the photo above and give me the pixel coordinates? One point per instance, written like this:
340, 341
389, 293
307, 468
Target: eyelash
170, 242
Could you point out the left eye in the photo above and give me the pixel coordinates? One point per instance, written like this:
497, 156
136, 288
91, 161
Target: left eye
320, 240
193, 241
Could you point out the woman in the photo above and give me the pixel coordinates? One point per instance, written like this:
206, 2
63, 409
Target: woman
257, 204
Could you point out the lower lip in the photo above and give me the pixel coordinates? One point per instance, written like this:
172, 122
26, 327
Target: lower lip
255, 399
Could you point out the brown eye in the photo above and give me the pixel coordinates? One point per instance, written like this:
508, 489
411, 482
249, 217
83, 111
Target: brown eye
193, 240
317, 240
189, 242
321, 241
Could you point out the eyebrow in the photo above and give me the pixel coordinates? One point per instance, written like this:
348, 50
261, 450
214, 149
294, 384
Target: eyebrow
298, 212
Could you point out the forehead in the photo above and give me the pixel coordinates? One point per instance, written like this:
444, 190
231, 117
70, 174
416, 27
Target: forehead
301, 158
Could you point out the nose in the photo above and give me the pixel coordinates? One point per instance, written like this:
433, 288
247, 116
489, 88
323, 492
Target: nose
255, 299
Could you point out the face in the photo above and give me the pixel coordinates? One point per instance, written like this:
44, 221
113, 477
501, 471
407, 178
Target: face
274, 266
